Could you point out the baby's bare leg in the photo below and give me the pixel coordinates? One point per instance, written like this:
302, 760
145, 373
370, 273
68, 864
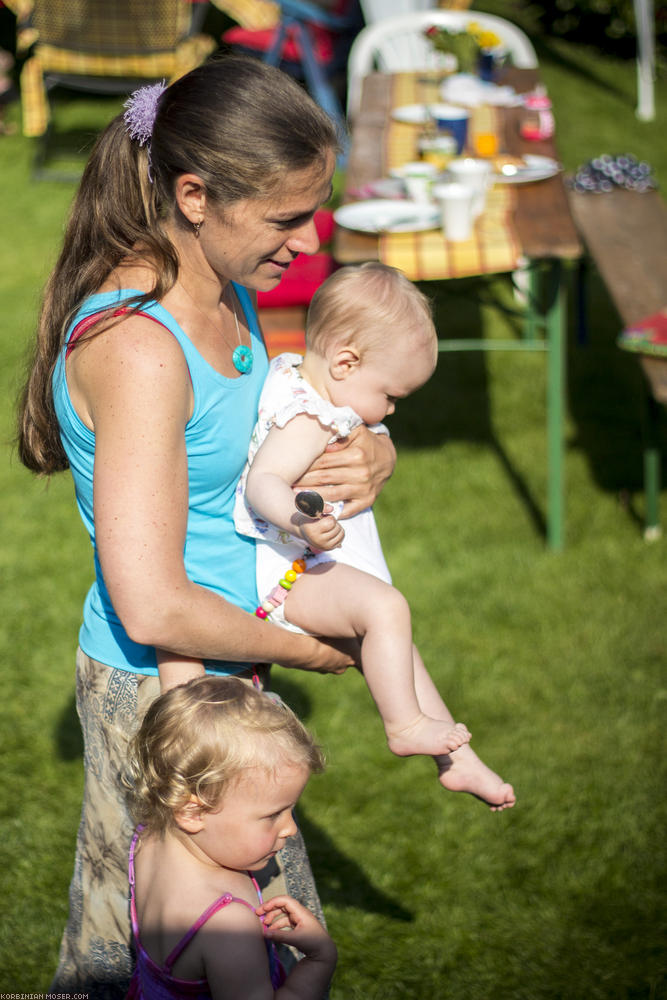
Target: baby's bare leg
175, 669
338, 601
461, 770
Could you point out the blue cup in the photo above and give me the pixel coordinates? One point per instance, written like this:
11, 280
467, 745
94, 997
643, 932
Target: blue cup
452, 120
487, 65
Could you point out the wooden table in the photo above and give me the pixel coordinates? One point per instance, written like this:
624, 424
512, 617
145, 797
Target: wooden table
541, 226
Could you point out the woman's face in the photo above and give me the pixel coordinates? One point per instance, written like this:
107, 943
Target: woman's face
254, 241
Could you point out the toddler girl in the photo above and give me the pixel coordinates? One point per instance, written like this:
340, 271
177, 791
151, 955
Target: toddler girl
217, 768
370, 341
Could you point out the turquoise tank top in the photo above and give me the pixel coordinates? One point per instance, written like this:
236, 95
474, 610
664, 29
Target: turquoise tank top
217, 437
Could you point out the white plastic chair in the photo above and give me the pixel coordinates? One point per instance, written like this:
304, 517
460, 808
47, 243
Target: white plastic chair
380, 10
397, 44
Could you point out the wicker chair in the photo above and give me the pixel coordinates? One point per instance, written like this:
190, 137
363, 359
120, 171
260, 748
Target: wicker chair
106, 47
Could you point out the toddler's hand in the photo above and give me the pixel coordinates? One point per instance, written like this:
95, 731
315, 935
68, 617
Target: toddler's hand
323, 533
287, 921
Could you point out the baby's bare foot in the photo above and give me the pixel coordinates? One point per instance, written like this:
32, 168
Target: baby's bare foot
428, 736
463, 771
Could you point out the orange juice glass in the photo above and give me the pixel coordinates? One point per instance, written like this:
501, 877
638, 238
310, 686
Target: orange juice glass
485, 144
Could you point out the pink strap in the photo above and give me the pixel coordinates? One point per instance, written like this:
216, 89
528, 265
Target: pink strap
85, 324
219, 903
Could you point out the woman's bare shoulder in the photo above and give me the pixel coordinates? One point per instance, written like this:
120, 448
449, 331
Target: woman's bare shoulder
125, 358
139, 276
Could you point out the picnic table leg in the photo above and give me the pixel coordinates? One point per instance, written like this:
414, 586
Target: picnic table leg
554, 318
533, 300
652, 529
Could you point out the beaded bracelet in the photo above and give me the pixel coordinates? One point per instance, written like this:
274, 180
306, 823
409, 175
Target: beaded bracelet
279, 592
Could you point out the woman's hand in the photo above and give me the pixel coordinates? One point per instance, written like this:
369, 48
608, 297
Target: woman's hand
353, 470
322, 656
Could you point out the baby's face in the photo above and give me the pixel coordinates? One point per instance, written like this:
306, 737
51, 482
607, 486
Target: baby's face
386, 375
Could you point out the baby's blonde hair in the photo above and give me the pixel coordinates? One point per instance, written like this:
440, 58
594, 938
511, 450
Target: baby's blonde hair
368, 303
199, 738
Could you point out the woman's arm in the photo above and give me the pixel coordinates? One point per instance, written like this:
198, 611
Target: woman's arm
354, 470
131, 384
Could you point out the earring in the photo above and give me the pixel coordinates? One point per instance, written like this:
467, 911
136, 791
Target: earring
197, 226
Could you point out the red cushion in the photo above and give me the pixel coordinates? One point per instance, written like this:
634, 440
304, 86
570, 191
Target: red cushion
302, 279
262, 40
324, 224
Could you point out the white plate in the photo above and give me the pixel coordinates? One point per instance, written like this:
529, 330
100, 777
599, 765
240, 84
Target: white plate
412, 114
379, 215
537, 168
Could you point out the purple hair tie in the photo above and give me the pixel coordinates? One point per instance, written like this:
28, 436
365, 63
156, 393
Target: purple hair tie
142, 110
140, 116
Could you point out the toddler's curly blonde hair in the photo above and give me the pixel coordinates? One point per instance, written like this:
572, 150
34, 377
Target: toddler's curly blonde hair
197, 739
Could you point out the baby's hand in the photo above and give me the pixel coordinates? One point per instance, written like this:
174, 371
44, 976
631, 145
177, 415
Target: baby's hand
323, 533
287, 921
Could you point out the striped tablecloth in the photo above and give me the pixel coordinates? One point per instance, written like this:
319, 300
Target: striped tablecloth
493, 247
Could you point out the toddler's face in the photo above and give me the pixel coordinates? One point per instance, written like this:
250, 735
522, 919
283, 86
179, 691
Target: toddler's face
254, 818
385, 376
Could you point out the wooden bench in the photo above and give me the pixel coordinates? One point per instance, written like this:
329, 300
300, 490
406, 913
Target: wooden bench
625, 233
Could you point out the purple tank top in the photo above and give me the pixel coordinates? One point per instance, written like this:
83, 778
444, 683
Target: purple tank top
153, 982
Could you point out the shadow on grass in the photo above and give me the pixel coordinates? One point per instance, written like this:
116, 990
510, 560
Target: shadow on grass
61, 154
68, 735
604, 398
340, 880
603, 387
454, 404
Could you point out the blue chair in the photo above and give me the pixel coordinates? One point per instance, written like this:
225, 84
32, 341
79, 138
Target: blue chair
309, 43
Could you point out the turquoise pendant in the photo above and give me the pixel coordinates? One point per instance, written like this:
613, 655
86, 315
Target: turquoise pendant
242, 358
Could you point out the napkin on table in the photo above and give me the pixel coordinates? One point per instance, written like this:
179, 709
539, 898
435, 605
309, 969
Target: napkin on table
471, 91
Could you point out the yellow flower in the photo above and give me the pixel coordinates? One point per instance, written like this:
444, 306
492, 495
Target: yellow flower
488, 40
485, 39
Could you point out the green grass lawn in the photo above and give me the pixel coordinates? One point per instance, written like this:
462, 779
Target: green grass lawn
555, 661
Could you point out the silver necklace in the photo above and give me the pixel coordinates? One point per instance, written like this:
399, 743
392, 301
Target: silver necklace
242, 356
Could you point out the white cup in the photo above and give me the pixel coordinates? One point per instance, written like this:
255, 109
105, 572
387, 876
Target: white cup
418, 179
456, 210
475, 174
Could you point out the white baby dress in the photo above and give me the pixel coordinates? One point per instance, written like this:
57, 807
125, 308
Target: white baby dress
286, 395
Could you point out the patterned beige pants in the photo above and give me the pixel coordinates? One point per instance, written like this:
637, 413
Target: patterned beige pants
95, 954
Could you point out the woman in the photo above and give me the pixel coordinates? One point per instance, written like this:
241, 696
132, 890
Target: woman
146, 376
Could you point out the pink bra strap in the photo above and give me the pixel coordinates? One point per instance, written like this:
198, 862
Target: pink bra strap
85, 324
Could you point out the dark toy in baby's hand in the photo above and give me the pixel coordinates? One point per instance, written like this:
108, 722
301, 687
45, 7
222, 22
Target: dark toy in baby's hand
310, 503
